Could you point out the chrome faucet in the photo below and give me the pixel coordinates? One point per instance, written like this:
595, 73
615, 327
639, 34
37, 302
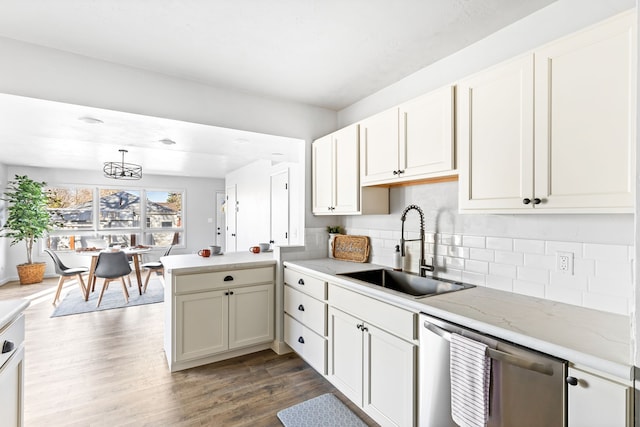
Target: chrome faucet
422, 266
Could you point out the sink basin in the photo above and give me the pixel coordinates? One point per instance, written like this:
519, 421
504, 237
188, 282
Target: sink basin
407, 283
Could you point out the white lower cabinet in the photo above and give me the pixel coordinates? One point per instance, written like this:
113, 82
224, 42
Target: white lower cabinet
305, 319
598, 401
12, 374
217, 315
372, 367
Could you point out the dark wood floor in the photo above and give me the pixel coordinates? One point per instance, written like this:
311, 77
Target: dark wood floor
108, 368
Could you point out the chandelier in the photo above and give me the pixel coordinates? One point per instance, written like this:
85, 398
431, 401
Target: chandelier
122, 170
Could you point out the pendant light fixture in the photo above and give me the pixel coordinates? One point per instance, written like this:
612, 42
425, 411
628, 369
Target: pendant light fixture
122, 170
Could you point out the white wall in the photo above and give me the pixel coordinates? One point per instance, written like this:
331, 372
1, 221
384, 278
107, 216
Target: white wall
4, 243
199, 206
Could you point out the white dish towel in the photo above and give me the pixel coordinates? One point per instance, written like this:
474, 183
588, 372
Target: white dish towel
470, 368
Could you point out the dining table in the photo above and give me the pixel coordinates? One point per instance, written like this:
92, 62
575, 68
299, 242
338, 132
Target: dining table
134, 252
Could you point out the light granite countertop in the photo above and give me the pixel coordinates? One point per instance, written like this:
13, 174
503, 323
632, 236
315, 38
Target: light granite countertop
10, 309
192, 263
584, 337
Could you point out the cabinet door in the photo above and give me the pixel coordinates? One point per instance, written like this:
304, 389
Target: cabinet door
346, 186
322, 174
426, 134
597, 402
201, 324
251, 314
389, 378
585, 118
12, 390
495, 130
379, 149
346, 354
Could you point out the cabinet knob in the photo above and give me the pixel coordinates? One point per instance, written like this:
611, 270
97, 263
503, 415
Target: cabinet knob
300, 282
226, 293
228, 278
360, 326
7, 347
526, 201
572, 381
231, 293
364, 328
301, 340
400, 171
395, 172
301, 307
537, 201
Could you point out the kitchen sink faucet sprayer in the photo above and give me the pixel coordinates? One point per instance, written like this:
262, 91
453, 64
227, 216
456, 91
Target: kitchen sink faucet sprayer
422, 266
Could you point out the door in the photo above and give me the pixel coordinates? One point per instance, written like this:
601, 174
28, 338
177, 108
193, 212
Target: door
346, 188
280, 208
585, 118
220, 220
389, 377
251, 315
231, 217
201, 324
346, 354
495, 129
322, 178
426, 134
379, 149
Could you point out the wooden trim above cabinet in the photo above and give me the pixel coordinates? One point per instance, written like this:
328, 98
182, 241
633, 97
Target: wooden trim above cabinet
433, 180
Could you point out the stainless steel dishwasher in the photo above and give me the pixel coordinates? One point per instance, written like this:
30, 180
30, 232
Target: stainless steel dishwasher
527, 388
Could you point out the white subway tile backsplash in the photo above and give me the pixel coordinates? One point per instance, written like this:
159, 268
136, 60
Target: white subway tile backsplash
501, 243
473, 241
476, 266
529, 288
537, 275
602, 277
528, 246
548, 262
605, 252
500, 283
561, 280
513, 258
503, 270
610, 303
573, 247
481, 254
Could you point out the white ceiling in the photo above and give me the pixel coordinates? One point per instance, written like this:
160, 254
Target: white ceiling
328, 53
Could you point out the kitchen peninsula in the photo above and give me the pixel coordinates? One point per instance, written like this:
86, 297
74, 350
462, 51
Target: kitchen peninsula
217, 307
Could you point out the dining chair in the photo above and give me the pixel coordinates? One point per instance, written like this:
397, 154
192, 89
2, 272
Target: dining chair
154, 266
66, 273
112, 266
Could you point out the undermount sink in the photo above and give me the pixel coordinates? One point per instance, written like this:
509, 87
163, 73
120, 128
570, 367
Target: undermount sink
407, 283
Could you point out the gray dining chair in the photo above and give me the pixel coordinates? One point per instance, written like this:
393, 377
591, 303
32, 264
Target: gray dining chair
154, 267
67, 273
112, 266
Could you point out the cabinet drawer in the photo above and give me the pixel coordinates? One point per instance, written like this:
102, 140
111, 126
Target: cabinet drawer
305, 283
13, 333
393, 319
222, 279
306, 310
309, 345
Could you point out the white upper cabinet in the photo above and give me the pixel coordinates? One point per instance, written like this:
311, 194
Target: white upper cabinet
336, 177
553, 130
410, 142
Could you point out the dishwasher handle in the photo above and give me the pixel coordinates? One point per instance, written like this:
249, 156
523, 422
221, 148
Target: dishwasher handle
518, 361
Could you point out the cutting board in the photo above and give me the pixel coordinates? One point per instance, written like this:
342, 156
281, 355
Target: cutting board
351, 248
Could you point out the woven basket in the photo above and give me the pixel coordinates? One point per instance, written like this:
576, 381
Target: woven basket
351, 248
31, 273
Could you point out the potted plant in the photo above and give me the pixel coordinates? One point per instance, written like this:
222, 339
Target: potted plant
332, 230
28, 220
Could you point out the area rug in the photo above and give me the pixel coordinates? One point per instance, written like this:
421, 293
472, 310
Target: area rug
74, 303
322, 411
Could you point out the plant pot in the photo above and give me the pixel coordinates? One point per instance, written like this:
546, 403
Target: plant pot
31, 273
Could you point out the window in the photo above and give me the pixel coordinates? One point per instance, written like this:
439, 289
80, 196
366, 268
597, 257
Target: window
90, 217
